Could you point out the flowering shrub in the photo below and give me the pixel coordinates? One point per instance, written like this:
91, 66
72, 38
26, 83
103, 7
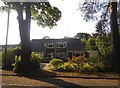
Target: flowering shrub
79, 63
78, 60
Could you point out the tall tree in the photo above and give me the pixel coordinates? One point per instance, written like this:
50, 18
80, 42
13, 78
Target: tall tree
43, 13
115, 36
90, 9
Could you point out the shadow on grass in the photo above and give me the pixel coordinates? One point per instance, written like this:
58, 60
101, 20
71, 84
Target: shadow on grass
57, 82
48, 77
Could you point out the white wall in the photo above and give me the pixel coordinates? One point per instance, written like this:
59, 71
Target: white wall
93, 53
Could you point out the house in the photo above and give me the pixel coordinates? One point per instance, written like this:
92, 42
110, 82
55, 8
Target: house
58, 48
2, 47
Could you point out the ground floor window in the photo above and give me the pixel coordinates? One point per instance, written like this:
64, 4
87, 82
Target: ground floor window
50, 55
61, 54
75, 54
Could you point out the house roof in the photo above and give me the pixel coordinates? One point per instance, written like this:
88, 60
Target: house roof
72, 44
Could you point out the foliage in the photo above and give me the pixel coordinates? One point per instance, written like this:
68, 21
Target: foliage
87, 68
69, 66
97, 62
89, 64
34, 63
48, 16
104, 45
56, 62
109, 19
17, 64
82, 36
11, 53
78, 60
42, 12
91, 44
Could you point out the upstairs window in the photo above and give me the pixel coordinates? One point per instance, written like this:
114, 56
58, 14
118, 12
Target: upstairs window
61, 45
49, 45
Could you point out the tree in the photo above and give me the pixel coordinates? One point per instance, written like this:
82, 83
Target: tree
90, 9
91, 44
46, 37
43, 13
115, 36
83, 37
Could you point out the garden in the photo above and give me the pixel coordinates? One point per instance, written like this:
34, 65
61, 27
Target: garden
75, 64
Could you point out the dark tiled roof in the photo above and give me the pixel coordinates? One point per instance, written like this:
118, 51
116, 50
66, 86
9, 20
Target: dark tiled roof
72, 44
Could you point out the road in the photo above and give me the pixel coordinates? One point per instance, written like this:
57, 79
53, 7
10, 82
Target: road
56, 82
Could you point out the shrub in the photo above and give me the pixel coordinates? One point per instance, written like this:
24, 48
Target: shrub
17, 64
69, 66
78, 60
97, 62
87, 68
34, 63
11, 53
56, 63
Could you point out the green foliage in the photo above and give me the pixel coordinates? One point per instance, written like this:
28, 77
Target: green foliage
11, 53
69, 66
90, 64
91, 44
48, 16
87, 68
96, 62
34, 63
56, 63
17, 64
104, 45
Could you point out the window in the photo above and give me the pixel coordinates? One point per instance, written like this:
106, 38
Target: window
61, 55
50, 55
61, 45
49, 45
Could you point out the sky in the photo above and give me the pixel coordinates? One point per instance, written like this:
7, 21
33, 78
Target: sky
70, 24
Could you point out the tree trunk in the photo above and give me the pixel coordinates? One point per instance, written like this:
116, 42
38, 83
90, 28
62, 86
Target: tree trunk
115, 37
24, 28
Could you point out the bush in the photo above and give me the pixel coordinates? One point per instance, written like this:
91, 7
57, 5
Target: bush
11, 53
34, 63
69, 66
87, 68
96, 62
56, 63
79, 59
17, 64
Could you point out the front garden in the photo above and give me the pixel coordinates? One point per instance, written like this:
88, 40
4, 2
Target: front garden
76, 64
